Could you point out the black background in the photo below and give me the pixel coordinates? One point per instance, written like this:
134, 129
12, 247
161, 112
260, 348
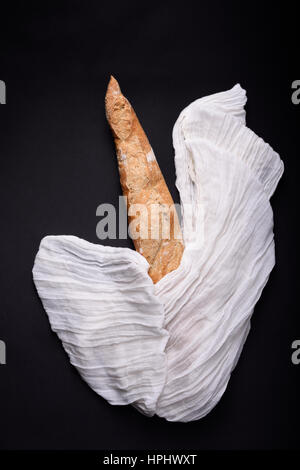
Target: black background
58, 164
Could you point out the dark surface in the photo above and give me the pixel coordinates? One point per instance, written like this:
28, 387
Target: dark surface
58, 164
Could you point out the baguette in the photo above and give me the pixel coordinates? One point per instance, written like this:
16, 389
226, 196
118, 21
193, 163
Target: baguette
144, 186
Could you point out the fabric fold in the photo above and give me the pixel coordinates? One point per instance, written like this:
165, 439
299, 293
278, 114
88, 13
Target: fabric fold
100, 301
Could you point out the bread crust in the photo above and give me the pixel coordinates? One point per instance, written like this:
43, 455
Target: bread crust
143, 184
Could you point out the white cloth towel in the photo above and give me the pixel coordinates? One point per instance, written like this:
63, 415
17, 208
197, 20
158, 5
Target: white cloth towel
169, 349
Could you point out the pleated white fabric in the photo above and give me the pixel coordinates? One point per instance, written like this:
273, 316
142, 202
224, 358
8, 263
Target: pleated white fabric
169, 348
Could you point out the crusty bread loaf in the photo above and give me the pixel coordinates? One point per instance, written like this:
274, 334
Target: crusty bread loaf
143, 184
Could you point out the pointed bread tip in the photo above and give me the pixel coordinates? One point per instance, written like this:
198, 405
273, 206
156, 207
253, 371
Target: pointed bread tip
112, 92
113, 86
